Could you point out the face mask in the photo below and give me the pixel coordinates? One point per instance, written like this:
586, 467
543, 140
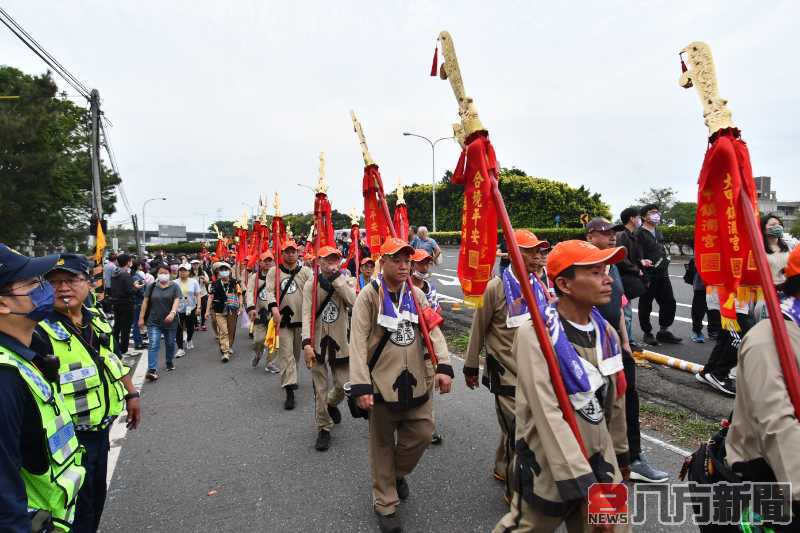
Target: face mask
224, 274
420, 275
775, 231
42, 297
163, 278
638, 222
655, 218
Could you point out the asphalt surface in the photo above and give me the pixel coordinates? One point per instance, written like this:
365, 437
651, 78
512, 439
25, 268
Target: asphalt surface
217, 452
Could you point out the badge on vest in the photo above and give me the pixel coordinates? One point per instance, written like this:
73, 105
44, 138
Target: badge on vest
78, 374
404, 334
331, 312
292, 288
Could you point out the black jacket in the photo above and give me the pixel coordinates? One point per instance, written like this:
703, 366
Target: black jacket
651, 246
122, 292
630, 269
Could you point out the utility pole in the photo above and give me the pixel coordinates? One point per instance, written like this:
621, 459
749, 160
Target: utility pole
97, 191
136, 234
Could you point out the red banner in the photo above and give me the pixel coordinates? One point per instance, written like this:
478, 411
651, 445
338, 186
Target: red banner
322, 219
478, 218
222, 249
241, 245
723, 253
376, 225
401, 221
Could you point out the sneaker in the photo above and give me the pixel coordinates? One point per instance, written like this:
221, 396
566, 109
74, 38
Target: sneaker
256, 359
402, 488
225, 358
189, 345
138, 347
230, 351
288, 404
725, 386
635, 346
389, 523
170, 366
698, 337
203, 328
499, 477
336, 415
180, 353
323, 441
642, 471
436, 438
666, 335
272, 368
197, 328
151, 375
648, 338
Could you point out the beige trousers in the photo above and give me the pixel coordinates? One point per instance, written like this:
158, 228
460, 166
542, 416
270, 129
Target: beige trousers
288, 355
524, 518
259, 334
328, 390
226, 330
504, 456
397, 440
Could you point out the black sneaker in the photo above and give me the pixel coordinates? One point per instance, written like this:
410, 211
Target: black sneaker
666, 335
402, 488
170, 365
389, 523
336, 415
635, 346
151, 375
256, 359
648, 338
436, 439
323, 441
726, 386
289, 403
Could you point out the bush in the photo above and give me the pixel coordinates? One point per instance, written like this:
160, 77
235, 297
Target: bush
180, 247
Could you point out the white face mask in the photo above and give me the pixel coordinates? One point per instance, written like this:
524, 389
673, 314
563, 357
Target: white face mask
163, 278
224, 274
655, 218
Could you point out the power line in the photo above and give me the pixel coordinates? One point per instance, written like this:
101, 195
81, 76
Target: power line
45, 56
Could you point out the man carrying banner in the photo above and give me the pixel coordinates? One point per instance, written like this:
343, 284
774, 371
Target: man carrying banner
494, 324
256, 302
289, 316
552, 475
392, 377
335, 297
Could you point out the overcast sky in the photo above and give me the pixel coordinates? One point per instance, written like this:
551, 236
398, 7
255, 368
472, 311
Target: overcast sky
213, 103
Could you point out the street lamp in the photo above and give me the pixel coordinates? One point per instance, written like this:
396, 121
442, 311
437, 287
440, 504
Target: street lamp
144, 225
309, 187
433, 167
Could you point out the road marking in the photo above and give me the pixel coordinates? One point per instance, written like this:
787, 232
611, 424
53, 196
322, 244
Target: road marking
448, 281
666, 445
678, 318
452, 299
120, 429
450, 270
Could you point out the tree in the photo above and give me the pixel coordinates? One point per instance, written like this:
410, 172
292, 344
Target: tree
795, 229
683, 213
225, 226
664, 198
45, 165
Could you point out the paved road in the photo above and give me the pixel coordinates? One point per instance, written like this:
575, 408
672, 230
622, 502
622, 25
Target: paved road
445, 276
216, 452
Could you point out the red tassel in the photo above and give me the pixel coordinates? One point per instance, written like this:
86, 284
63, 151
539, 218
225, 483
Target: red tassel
435, 65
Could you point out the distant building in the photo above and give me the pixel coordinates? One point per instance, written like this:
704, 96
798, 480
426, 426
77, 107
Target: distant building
768, 202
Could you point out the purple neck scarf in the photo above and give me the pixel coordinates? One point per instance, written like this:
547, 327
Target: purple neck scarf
390, 315
516, 306
791, 308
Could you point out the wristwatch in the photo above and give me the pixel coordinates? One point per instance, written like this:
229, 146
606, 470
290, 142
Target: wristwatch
131, 396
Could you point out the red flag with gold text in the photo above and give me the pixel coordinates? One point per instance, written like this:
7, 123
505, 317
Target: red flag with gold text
723, 253
322, 219
476, 166
401, 221
376, 226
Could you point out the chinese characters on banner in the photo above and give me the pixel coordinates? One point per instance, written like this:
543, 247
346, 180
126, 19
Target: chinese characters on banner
723, 253
476, 168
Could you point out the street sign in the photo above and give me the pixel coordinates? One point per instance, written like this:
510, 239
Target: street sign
585, 218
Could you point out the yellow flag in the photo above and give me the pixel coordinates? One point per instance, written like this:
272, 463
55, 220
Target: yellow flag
100, 247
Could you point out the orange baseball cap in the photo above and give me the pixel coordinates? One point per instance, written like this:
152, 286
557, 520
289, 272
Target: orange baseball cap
793, 266
421, 255
393, 245
526, 239
367, 260
266, 255
325, 251
580, 253
289, 244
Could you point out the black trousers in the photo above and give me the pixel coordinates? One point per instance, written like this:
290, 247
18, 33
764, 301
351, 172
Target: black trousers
203, 303
187, 323
724, 355
92, 496
660, 290
123, 319
632, 406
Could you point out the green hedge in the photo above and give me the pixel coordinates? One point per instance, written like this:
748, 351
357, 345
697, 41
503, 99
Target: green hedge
179, 248
681, 235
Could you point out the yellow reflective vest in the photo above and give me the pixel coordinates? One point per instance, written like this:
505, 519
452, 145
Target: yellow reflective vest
56, 489
92, 386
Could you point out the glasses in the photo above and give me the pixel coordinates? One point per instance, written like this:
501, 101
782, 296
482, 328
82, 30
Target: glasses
36, 281
72, 283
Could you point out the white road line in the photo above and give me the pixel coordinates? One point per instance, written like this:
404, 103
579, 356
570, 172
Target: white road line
449, 270
119, 429
678, 318
452, 299
666, 445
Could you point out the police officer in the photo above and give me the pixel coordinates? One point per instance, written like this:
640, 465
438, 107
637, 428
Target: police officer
38, 482
96, 385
